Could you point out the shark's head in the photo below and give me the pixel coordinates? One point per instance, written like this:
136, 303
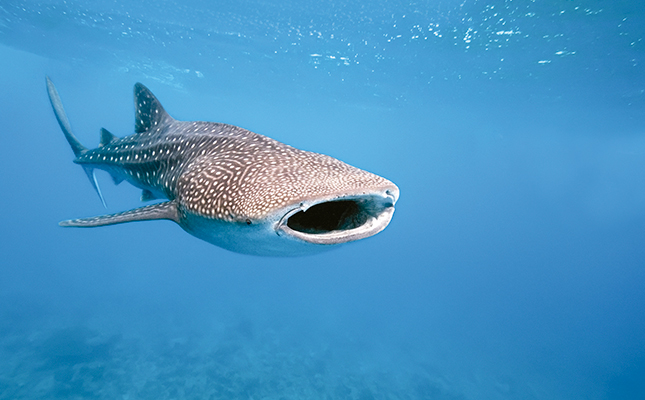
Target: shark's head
288, 202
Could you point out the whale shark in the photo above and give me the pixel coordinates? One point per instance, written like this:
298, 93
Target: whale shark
231, 187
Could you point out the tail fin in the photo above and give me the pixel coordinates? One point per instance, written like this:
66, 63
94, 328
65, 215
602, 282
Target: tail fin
76, 146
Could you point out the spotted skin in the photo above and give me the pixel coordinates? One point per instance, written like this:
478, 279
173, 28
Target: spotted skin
218, 175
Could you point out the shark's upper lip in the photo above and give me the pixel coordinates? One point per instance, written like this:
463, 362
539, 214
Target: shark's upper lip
340, 219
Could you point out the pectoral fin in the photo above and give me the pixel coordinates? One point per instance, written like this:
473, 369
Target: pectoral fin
166, 210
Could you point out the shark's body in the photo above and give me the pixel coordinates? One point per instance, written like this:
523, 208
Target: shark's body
231, 187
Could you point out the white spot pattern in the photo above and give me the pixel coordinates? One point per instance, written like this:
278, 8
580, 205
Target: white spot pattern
221, 171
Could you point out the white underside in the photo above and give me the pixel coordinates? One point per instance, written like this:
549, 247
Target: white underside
272, 236
256, 239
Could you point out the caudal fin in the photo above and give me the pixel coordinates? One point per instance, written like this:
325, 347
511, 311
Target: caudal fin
76, 146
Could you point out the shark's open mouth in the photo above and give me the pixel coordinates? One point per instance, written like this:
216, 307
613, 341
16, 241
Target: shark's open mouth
339, 220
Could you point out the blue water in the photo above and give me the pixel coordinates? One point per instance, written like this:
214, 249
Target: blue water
514, 266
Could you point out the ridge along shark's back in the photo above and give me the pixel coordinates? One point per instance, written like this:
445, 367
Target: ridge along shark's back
232, 187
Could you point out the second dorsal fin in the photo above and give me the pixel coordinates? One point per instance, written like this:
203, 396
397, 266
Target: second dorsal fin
106, 137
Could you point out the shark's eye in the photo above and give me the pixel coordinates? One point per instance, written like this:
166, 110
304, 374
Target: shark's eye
329, 216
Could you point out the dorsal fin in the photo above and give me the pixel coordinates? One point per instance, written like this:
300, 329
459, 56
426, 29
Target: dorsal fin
106, 137
149, 111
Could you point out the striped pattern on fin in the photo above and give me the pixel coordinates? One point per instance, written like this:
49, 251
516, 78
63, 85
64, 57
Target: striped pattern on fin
166, 210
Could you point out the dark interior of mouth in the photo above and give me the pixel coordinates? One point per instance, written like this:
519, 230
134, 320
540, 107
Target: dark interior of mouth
331, 216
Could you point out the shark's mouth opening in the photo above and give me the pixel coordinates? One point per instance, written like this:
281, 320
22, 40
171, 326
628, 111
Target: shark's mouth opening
330, 216
339, 220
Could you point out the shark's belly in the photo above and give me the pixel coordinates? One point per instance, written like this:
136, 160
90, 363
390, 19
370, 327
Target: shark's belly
259, 239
